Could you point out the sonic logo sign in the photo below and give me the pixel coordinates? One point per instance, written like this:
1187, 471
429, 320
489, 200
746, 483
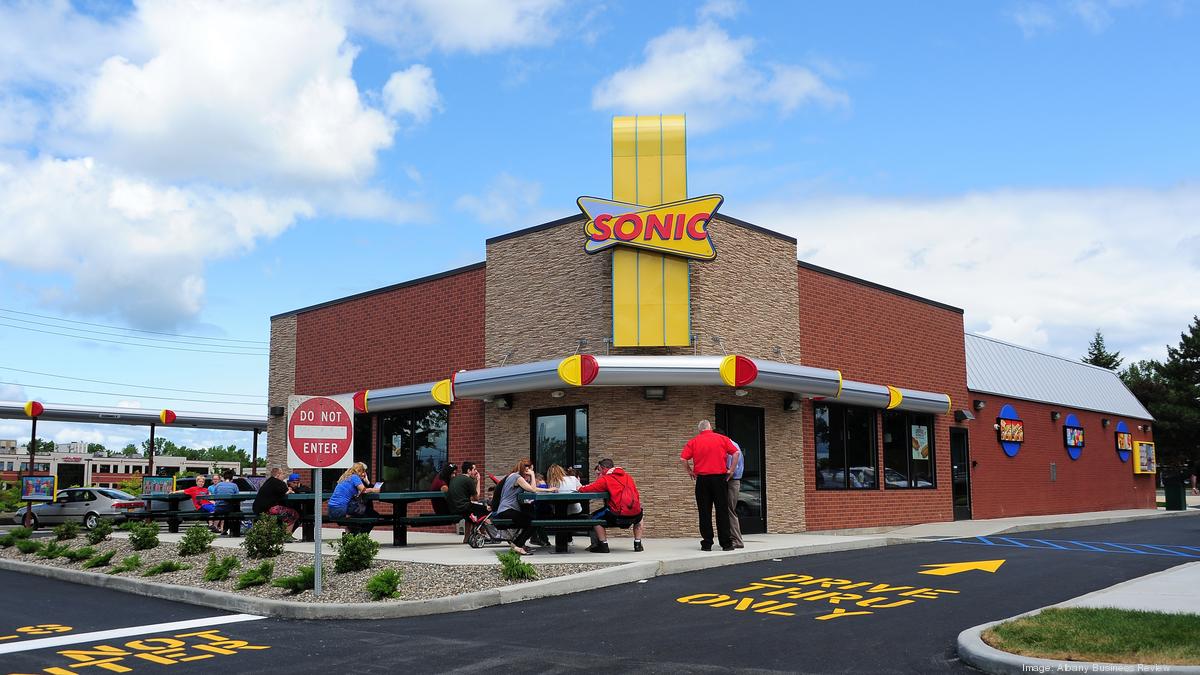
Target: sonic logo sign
678, 228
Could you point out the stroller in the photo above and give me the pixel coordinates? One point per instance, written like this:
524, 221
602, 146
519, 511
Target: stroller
483, 532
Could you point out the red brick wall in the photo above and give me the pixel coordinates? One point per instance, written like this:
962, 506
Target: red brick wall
417, 333
1020, 486
876, 336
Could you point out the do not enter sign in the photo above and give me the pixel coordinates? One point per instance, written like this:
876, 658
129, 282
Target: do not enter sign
320, 432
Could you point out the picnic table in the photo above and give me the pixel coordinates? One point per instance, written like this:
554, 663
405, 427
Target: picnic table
175, 516
563, 524
399, 520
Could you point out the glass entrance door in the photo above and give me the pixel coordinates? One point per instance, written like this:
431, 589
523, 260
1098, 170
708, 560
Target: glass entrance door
744, 424
559, 436
960, 473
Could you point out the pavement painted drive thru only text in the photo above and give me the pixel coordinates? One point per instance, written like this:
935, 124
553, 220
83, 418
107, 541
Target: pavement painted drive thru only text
779, 594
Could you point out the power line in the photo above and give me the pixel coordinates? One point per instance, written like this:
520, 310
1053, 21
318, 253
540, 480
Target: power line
136, 330
132, 344
130, 337
127, 384
120, 393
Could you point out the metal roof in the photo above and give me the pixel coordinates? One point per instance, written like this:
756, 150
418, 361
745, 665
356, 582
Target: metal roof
996, 367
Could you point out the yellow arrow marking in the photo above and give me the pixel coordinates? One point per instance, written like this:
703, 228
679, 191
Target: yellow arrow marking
946, 569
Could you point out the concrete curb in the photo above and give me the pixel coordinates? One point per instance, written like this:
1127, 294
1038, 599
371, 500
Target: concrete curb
287, 609
973, 651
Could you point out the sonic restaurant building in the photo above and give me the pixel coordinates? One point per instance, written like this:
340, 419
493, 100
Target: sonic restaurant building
856, 405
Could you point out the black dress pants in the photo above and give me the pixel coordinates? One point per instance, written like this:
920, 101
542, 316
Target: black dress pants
711, 492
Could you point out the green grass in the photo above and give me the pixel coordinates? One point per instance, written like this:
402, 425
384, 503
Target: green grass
1104, 635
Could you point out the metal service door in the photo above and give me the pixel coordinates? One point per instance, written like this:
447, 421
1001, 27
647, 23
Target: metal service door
744, 424
960, 473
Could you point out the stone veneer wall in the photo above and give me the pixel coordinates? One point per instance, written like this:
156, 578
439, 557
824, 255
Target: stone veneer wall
646, 437
544, 294
281, 383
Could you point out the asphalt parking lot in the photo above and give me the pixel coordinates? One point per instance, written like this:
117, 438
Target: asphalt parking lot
886, 610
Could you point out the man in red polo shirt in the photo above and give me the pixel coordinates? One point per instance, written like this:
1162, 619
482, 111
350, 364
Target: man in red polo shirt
708, 452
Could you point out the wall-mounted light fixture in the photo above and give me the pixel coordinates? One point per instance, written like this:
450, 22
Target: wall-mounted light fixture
1144, 427
655, 393
557, 393
791, 404
277, 411
1055, 416
961, 416
979, 404
740, 392
1104, 421
504, 401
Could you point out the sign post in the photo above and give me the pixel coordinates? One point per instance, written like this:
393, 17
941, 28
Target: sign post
320, 436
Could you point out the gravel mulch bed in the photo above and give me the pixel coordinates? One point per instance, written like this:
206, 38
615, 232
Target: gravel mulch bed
421, 581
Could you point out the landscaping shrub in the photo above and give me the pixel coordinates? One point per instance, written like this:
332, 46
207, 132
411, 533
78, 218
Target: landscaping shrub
53, 550
167, 566
128, 525
256, 576
66, 531
302, 580
355, 552
99, 561
265, 538
20, 533
220, 570
100, 532
196, 540
143, 536
28, 546
79, 554
515, 569
386, 584
7, 540
129, 564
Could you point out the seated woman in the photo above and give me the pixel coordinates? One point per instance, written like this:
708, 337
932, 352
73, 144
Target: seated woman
441, 482
509, 508
272, 500
346, 500
566, 481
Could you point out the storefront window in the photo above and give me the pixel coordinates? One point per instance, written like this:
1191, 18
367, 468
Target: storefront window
559, 436
908, 450
845, 443
413, 448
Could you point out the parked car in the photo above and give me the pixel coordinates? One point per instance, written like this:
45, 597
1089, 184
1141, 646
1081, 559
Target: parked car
79, 505
750, 500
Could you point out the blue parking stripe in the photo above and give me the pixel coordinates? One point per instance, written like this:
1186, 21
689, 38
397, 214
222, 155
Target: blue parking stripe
1014, 541
1050, 543
1082, 546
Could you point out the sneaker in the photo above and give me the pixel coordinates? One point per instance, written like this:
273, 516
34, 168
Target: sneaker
727, 548
601, 547
637, 547
739, 546
705, 547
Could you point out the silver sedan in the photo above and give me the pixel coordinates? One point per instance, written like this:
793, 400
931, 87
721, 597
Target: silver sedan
79, 505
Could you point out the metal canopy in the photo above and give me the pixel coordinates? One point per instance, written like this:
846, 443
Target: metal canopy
61, 412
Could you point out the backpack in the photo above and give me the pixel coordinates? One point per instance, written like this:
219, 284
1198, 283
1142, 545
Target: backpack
498, 493
627, 502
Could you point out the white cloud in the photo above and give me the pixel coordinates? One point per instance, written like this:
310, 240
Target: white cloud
231, 92
1011, 259
1033, 19
129, 404
412, 92
507, 202
12, 392
710, 76
19, 119
131, 246
475, 26
720, 9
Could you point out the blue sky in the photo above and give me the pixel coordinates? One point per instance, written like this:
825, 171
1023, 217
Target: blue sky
196, 170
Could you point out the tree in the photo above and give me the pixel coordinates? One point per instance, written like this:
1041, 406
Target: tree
1170, 390
1098, 355
130, 450
41, 446
93, 448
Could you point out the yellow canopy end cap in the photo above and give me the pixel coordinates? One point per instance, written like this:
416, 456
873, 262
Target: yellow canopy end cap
895, 398
443, 392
